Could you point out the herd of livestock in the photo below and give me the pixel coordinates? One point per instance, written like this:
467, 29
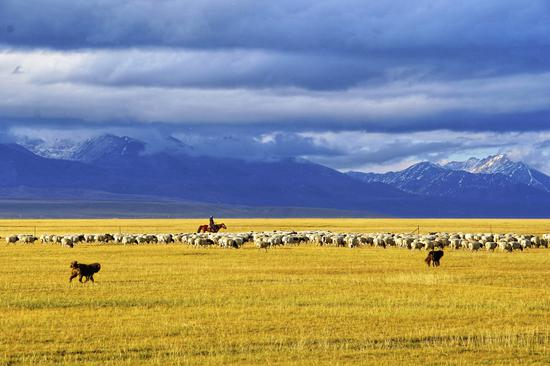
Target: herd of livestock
265, 240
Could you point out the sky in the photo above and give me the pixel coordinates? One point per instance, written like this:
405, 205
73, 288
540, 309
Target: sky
362, 85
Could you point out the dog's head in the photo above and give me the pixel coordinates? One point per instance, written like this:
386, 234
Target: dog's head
74, 264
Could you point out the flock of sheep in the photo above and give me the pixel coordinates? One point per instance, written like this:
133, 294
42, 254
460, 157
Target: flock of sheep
265, 240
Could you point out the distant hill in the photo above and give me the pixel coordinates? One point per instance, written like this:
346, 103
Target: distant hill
518, 172
120, 166
433, 180
123, 170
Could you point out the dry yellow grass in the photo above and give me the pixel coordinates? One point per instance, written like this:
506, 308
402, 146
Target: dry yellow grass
170, 305
531, 226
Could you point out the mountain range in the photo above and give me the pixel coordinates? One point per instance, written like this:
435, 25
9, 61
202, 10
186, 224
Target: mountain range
518, 172
495, 177
118, 169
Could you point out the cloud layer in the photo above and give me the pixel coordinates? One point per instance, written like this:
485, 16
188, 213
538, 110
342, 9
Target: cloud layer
327, 80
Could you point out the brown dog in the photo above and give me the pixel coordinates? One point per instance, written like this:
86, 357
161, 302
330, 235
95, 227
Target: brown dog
84, 270
433, 258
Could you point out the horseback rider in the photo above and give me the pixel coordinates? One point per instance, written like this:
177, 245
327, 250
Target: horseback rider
211, 224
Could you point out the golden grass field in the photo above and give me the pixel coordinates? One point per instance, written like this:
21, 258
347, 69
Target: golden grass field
527, 226
305, 305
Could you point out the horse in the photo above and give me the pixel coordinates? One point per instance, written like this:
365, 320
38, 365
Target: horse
207, 229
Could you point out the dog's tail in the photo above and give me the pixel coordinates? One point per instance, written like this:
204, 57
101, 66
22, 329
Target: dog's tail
428, 259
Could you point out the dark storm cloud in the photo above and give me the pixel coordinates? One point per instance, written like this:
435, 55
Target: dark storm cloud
224, 69
383, 66
312, 44
505, 123
274, 69
251, 146
333, 25
461, 121
409, 80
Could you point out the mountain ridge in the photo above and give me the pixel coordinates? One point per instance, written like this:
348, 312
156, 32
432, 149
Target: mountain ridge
121, 170
107, 167
501, 164
493, 177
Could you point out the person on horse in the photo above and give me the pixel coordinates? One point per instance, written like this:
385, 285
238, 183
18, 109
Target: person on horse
212, 225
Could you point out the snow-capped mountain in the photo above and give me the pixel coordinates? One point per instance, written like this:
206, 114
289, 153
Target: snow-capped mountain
88, 150
101, 147
54, 149
468, 165
518, 172
113, 166
119, 166
492, 164
430, 179
107, 147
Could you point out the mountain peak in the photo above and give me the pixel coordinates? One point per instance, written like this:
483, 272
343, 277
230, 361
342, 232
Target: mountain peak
107, 147
58, 148
496, 158
493, 176
518, 171
423, 166
112, 139
499, 163
489, 165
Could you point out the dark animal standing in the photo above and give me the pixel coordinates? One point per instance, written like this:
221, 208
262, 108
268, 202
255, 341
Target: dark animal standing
434, 257
208, 229
84, 270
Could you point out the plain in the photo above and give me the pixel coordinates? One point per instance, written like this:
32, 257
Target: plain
173, 304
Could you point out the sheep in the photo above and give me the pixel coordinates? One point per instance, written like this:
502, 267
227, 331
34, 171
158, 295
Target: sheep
429, 245
379, 242
67, 242
340, 240
142, 239
27, 239
263, 244
129, 239
103, 238
165, 238
505, 246
525, 243
456, 244
264, 240
291, 239
275, 240
351, 241
12, 239
491, 246
230, 242
202, 241
45, 239
474, 246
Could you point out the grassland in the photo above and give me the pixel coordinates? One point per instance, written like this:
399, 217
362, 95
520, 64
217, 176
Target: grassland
527, 226
170, 305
